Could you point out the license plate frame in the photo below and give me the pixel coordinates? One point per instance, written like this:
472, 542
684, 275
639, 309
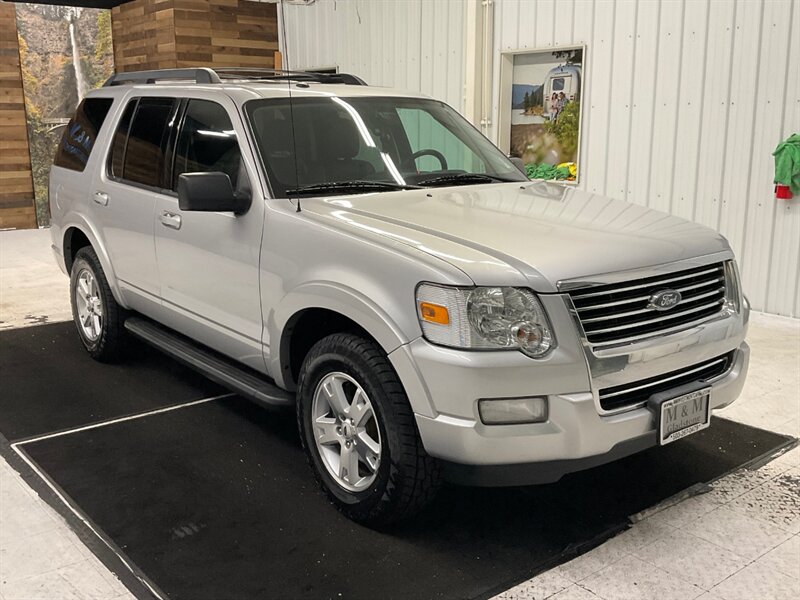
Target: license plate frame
690, 404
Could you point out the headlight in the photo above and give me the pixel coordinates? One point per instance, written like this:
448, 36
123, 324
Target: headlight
732, 286
484, 318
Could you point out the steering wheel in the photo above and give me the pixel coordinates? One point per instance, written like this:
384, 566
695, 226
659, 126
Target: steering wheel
431, 152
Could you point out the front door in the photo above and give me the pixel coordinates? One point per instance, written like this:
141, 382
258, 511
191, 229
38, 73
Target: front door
207, 261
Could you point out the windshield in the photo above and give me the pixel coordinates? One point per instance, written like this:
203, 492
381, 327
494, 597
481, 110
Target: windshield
392, 142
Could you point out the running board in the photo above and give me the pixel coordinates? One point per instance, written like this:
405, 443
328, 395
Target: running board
214, 366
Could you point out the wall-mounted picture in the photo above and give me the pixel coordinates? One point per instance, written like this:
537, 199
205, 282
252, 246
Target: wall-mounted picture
546, 112
65, 52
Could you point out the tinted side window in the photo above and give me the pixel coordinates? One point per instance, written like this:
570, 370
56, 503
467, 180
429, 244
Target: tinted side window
144, 153
207, 142
120, 140
78, 139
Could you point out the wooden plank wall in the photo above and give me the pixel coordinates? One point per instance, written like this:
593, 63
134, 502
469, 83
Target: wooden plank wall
225, 33
144, 35
158, 34
16, 181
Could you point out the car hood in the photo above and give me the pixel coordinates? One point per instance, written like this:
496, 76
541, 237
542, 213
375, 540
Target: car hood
542, 232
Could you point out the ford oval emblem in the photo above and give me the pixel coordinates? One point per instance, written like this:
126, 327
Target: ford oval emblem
664, 300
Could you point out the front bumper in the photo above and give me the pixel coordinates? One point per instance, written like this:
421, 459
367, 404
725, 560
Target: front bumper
444, 386
575, 437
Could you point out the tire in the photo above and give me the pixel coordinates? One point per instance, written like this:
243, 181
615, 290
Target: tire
104, 336
405, 479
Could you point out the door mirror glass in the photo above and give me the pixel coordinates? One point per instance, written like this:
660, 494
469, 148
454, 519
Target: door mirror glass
210, 192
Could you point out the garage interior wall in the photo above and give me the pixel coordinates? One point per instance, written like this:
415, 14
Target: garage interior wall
410, 44
684, 100
16, 181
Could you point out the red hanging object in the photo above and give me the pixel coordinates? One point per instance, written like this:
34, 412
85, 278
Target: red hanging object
782, 192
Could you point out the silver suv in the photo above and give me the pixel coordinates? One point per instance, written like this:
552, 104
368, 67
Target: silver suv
367, 256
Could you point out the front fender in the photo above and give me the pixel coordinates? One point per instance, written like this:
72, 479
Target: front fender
370, 315
347, 301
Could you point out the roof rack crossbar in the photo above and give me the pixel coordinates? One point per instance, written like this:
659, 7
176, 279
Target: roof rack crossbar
284, 74
205, 75
200, 75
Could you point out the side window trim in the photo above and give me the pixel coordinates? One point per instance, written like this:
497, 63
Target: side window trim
110, 158
172, 143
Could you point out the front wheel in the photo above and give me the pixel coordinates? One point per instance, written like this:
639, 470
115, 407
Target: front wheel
359, 432
98, 317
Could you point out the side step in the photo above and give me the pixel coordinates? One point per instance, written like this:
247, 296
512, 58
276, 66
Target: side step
216, 367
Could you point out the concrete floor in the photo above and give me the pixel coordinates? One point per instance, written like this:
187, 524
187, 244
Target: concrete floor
739, 541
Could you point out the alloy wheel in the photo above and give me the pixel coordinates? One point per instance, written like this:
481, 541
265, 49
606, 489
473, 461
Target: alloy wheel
346, 431
89, 304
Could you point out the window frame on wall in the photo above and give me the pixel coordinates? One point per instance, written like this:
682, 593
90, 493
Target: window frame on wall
504, 99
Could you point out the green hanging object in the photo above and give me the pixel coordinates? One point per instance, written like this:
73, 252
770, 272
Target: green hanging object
545, 171
787, 163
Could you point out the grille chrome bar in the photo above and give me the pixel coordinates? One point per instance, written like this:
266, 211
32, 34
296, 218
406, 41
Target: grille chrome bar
635, 338
637, 393
640, 298
664, 317
620, 313
647, 310
578, 295
664, 380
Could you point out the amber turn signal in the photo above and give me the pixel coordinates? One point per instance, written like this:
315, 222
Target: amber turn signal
433, 313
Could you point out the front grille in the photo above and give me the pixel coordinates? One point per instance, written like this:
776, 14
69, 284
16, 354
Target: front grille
637, 392
618, 312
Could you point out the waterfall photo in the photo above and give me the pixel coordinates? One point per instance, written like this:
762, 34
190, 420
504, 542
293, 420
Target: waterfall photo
65, 52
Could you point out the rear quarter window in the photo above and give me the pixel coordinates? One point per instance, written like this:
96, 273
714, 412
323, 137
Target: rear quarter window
78, 139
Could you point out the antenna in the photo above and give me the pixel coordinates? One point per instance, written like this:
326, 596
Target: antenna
291, 113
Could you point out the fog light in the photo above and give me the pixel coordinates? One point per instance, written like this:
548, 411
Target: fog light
507, 411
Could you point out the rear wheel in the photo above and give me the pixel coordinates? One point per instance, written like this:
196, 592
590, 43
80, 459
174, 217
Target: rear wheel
98, 317
359, 432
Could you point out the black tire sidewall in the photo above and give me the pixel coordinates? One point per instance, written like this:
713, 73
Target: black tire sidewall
86, 259
356, 367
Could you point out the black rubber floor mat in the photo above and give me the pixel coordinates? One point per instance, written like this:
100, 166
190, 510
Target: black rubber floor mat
216, 501
49, 382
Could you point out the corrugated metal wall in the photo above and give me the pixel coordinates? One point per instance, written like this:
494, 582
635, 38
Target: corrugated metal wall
684, 100
408, 44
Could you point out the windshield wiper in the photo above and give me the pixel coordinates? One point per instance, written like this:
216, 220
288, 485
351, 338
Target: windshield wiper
462, 179
345, 187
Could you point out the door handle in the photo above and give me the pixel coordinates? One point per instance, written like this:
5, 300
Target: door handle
101, 198
171, 220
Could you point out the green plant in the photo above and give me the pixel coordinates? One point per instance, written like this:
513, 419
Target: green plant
565, 129
545, 171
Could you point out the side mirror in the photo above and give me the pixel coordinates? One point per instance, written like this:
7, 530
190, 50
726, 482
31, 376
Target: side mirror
517, 162
210, 192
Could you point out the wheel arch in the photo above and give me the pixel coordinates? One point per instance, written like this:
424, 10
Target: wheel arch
77, 236
318, 310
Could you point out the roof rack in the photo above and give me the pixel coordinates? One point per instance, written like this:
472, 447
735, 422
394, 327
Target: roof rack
204, 75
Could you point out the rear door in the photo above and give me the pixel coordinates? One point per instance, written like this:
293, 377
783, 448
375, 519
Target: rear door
125, 196
208, 262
